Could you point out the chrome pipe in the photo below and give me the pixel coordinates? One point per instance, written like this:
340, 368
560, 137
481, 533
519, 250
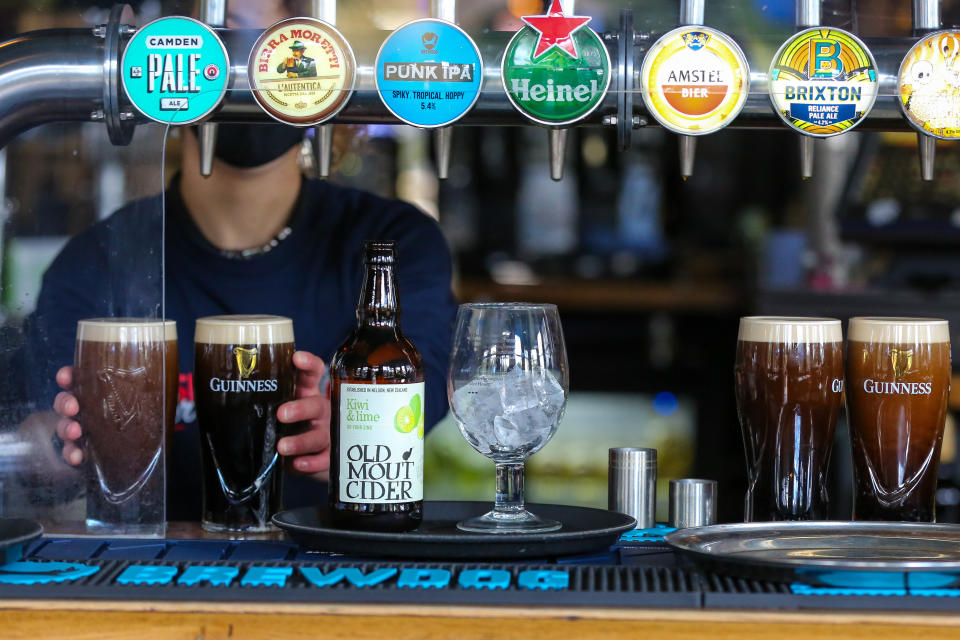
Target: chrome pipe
444, 10
213, 12
325, 10
54, 75
808, 13
691, 11
926, 15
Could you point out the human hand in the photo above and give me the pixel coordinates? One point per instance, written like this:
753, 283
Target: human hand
67, 407
311, 449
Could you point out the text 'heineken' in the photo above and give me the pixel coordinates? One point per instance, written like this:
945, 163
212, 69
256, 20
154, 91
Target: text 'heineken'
377, 404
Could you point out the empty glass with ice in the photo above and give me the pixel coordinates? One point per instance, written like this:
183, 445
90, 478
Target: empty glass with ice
507, 389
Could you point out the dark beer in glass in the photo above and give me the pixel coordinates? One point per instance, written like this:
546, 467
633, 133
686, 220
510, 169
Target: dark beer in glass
377, 405
126, 382
789, 386
243, 372
898, 376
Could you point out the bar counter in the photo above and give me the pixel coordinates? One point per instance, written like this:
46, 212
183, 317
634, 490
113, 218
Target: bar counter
763, 610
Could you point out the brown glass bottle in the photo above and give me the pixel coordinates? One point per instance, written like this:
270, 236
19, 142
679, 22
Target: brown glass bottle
376, 425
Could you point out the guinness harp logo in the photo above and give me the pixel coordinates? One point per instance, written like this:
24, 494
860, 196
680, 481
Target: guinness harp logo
120, 400
246, 361
902, 361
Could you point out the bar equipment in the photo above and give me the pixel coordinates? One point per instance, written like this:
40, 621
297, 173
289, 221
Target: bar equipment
632, 484
213, 13
926, 18
325, 10
808, 15
443, 137
693, 503
691, 12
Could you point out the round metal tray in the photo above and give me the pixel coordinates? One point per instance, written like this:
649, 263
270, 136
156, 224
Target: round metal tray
809, 551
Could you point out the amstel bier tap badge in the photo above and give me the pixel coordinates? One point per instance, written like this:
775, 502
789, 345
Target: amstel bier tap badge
823, 81
929, 85
695, 80
429, 73
302, 71
556, 69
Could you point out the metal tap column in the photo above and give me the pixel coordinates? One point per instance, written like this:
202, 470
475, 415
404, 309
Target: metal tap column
443, 137
691, 13
214, 14
808, 14
558, 136
926, 18
325, 10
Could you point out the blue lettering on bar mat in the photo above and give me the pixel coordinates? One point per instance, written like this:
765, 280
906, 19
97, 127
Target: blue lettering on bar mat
147, 574
266, 577
44, 572
354, 576
653, 534
543, 580
218, 576
484, 579
423, 578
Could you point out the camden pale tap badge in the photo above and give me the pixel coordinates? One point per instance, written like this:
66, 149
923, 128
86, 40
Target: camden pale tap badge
823, 81
175, 70
302, 71
556, 69
929, 85
429, 73
695, 80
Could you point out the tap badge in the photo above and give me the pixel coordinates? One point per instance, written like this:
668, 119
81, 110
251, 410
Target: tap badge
823, 81
246, 360
929, 85
175, 70
302, 71
429, 73
556, 69
695, 80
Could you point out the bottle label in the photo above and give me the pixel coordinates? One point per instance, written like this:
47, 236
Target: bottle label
381, 443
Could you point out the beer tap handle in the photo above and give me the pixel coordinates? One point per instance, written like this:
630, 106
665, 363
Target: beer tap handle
926, 17
691, 12
808, 14
213, 13
558, 152
325, 10
443, 137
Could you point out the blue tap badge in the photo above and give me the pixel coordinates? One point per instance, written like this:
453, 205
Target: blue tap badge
175, 70
429, 73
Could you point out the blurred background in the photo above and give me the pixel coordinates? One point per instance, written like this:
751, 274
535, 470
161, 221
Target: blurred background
650, 272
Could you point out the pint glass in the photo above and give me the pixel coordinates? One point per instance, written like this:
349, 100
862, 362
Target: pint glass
243, 372
125, 381
789, 386
898, 376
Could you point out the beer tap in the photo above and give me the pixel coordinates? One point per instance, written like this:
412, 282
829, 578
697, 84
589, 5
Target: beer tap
443, 137
808, 14
214, 14
325, 10
558, 135
691, 13
926, 18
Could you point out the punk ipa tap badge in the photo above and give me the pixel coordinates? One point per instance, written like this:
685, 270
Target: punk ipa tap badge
302, 71
823, 81
556, 70
695, 80
929, 85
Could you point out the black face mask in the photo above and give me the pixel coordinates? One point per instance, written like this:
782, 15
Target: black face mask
247, 145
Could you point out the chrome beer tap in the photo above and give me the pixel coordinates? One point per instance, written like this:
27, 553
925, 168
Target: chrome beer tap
325, 10
213, 13
558, 135
808, 14
443, 137
691, 13
926, 18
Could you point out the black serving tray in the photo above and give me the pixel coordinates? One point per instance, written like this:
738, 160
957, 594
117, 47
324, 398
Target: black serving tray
583, 530
14, 534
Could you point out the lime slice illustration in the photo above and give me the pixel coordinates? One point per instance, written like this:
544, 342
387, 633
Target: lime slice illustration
415, 406
405, 421
420, 430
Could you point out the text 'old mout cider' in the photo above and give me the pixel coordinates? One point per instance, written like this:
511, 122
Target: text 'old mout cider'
377, 405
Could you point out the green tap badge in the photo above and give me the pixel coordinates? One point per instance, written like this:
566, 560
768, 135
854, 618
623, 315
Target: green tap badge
556, 70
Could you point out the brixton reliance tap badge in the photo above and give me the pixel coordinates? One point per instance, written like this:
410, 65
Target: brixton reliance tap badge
556, 70
302, 71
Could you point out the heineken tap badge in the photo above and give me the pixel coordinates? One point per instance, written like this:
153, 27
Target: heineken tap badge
556, 69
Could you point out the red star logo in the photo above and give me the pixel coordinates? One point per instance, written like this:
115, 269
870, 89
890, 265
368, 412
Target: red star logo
556, 30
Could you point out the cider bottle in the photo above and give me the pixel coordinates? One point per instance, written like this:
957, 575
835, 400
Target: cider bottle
377, 405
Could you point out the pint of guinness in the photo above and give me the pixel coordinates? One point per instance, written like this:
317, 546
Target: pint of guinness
789, 386
125, 381
898, 375
243, 372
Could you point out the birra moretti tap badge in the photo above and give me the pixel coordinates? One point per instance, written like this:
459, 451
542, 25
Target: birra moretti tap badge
929, 85
302, 71
429, 73
175, 70
556, 70
823, 81
695, 80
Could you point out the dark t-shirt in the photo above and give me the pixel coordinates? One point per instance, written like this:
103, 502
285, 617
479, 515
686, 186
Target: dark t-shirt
313, 276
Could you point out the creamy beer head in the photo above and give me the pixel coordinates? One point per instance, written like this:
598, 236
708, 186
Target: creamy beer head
244, 329
126, 330
787, 330
899, 330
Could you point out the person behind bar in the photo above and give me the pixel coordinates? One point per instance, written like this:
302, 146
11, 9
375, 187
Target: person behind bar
255, 237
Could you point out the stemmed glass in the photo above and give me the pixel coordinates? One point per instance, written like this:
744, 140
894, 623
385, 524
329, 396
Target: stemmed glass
507, 389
